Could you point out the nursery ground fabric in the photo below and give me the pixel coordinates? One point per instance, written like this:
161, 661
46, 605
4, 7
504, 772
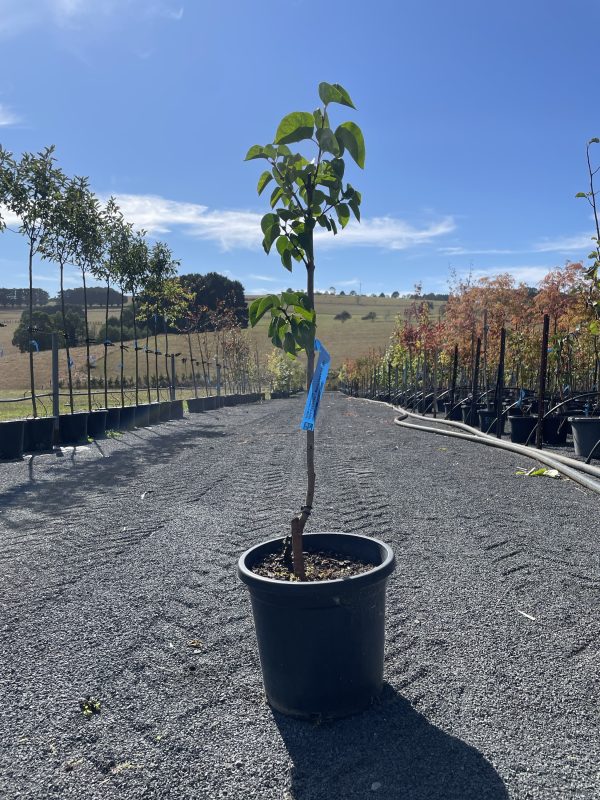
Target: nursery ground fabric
117, 581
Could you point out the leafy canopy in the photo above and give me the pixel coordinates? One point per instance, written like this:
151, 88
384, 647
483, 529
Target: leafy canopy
305, 193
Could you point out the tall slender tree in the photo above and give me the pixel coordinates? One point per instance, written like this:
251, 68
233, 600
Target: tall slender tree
115, 238
308, 191
136, 275
32, 190
162, 267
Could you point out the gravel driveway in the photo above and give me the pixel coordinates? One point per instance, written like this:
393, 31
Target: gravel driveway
117, 580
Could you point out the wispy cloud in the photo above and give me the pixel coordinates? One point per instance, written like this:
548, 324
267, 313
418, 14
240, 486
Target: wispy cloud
530, 274
465, 251
264, 278
17, 16
565, 244
8, 116
241, 229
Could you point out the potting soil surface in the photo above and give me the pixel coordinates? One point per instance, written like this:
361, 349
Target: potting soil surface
118, 584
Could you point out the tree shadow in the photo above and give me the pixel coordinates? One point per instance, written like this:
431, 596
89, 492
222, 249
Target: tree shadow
390, 752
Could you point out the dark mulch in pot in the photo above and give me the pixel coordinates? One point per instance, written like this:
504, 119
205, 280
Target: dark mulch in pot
323, 566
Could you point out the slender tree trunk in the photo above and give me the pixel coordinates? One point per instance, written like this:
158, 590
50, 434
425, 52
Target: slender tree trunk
156, 353
135, 343
189, 337
122, 350
106, 344
31, 370
148, 360
66, 335
300, 520
87, 342
166, 328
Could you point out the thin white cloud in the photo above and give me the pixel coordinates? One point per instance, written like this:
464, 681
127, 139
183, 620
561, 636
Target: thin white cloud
10, 219
264, 278
530, 274
8, 117
241, 229
465, 251
17, 16
565, 244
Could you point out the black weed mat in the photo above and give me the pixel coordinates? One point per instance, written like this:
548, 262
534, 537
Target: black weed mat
118, 587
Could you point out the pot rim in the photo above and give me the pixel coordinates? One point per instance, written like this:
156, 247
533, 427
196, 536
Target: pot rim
377, 573
584, 419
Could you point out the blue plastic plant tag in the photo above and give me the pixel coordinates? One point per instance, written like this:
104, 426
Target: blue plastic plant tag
317, 387
36, 345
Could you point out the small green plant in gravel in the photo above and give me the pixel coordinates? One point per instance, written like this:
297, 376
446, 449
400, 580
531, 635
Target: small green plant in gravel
89, 706
309, 193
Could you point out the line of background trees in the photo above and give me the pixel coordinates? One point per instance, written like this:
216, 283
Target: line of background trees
62, 221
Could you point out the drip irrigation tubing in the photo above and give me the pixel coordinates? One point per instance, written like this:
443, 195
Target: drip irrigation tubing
568, 467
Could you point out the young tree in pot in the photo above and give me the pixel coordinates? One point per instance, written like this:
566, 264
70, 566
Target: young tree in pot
116, 235
321, 641
306, 194
32, 190
89, 231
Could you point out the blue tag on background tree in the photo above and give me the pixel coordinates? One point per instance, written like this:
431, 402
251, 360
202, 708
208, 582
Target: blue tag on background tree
317, 386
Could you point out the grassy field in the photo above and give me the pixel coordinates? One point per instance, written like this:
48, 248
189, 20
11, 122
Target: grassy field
348, 339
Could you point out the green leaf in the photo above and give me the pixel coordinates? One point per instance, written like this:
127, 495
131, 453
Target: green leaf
294, 127
327, 141
333, 225
283, 244
260, 307
319, 118
345, 97
270, 237
334, 93
289, 344
275, 196
595, 140
324, 222
350, 135
263, 181
595, 327
286, 260
269, 221
355, 208
581, 194
343, 214
256, 151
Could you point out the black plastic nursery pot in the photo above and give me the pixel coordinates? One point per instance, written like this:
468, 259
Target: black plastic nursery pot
231, 400
521, 429
455, 413
154, 413
39, 434
142, 416
73, 428
470, 415
96, 426
127, 418
113, 419
196, 405
487, 421
165, 410
321, 643
12, 433
555, 429
586, 434
176, 409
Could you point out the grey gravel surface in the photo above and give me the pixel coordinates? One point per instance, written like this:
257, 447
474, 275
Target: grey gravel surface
117, 580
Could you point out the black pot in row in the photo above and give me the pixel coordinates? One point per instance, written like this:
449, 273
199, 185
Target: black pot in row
30, 435
197, 405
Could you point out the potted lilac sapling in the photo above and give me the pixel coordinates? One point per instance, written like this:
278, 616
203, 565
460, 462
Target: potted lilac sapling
318, 599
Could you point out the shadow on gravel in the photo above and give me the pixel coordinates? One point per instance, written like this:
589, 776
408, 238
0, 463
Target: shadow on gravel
390, 752
53, 498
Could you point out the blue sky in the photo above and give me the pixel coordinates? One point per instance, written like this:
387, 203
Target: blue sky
475, 117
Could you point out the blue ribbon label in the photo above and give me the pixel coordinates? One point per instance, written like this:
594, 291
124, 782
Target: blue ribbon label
317, 387
71, 362
36, 345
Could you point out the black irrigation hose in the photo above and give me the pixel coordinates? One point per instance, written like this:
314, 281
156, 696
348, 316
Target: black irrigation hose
567, 466
555, 462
